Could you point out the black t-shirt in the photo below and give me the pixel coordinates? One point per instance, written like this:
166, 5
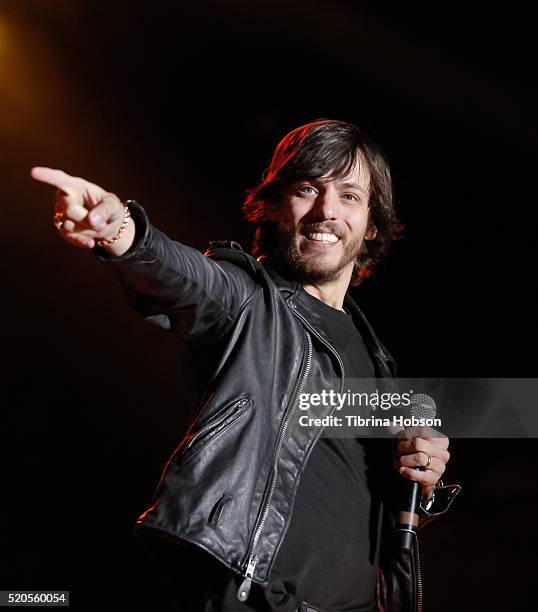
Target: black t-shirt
329, 554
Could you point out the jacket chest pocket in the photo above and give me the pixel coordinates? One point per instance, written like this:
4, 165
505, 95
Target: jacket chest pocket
210, 429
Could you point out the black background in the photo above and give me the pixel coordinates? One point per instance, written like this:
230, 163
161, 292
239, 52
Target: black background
180, 107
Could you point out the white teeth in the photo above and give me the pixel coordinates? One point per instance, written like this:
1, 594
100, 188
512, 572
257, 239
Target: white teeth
323, 237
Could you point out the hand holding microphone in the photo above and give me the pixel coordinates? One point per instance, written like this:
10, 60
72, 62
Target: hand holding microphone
420, 456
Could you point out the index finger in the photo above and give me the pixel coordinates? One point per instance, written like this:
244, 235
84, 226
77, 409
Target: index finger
56, 178
89, 193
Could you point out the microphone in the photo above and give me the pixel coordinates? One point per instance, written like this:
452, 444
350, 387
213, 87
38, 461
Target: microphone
422, 407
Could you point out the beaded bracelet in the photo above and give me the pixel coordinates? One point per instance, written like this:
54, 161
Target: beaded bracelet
101, 242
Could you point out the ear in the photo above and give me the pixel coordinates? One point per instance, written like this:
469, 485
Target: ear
371, 233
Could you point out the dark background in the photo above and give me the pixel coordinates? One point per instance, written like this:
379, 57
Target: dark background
180, 106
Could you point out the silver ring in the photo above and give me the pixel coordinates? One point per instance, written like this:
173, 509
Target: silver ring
429, 461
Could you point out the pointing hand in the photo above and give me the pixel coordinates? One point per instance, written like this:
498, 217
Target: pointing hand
85, 212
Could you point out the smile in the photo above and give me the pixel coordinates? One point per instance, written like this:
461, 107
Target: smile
318, 237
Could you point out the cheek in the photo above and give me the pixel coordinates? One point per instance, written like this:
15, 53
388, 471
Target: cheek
290, 216
358, 225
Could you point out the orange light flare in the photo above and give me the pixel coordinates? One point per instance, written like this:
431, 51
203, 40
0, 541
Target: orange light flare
37, 103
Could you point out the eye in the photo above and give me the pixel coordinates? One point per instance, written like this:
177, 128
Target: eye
352, 196
307, 187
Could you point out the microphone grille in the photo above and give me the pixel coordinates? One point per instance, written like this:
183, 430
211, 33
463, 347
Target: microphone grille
422, 406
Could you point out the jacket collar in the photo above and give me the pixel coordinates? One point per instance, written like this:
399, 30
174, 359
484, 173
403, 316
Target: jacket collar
299, 299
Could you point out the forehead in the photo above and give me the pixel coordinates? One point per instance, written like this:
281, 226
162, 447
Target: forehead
358, 174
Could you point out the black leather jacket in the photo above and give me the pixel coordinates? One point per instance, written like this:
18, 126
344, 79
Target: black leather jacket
230, 485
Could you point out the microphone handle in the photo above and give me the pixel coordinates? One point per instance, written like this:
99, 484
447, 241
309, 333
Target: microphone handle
408, 518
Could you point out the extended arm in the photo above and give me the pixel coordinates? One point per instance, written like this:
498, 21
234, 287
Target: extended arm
175, 285
171, 283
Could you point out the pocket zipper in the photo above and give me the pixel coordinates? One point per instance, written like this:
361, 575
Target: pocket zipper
196, 439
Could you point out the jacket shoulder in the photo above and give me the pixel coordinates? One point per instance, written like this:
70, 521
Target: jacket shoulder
232, 252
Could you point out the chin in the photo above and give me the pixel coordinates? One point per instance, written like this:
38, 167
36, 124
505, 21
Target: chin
315, 272
309, 266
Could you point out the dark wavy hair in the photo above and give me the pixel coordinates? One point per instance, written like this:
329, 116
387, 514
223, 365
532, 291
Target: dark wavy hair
328, 148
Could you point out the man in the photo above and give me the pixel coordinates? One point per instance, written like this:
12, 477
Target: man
255, 511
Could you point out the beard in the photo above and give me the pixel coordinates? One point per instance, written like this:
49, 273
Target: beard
314, 269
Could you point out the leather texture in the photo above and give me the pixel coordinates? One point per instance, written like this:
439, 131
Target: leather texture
229, 486
305, 607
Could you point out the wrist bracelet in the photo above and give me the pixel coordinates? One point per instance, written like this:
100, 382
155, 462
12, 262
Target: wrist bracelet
426, 506
127, 215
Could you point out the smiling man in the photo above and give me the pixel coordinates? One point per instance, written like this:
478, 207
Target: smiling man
255, 512
321, 228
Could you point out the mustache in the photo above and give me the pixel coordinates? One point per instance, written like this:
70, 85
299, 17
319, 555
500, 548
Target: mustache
326, 226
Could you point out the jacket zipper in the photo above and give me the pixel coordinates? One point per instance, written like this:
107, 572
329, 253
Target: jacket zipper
329, 346
236, 406
416, 553
244, 589
253, 559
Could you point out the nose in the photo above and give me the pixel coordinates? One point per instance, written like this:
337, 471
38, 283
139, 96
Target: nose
325, 205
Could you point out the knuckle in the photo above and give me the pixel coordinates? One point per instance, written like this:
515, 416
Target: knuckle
76, 213
79, 182
419, 444
414, 459
71, 239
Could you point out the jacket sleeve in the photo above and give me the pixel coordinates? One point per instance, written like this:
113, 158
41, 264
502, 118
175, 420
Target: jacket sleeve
175, 286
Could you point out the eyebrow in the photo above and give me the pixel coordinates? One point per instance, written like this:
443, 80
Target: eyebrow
352, 186
345, 185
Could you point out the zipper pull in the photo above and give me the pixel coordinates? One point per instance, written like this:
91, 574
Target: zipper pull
244, 589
